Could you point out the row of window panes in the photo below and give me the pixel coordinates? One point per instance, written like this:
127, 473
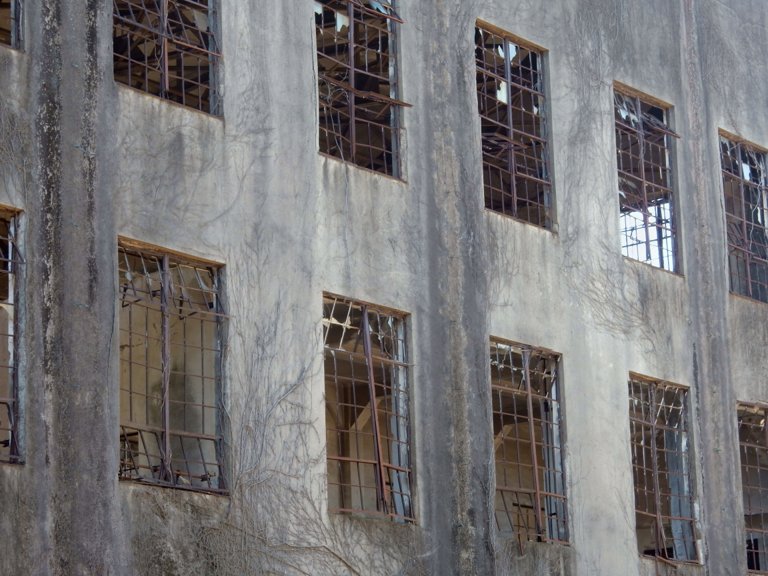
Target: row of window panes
170, 49
171, 321
368, 450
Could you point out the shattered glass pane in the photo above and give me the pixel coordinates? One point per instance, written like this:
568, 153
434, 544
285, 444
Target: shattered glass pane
9, 409
367, 416
358, 105
530, 500
515, 151
745, 189
170, 381
664, 504
647, 222
167, 49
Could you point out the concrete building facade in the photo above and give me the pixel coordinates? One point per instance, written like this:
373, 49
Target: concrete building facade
242, 206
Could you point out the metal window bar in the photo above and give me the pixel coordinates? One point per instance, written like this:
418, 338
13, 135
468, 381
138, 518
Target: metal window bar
745, 189
10, 262
357, 88
168, 48
511, 102
527, 428
664, 504
645, 186
368, 446
171, 322
753, 455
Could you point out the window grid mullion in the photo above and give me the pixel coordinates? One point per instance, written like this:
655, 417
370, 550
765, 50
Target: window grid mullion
659, 539
643, 179
380, 472
164, 41
165, 297
532, 431
511, 164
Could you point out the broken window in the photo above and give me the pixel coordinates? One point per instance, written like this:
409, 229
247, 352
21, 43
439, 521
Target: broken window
357, 88
530, 499
168, 48
171, 324
753, 450
658, 415
745, 182
366, 400
10, 20
643, 156
10, 261
510, 100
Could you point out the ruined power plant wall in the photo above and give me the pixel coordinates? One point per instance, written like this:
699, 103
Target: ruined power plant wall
338, 287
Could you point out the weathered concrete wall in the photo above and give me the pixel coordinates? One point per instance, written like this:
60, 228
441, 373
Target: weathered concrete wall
88, 160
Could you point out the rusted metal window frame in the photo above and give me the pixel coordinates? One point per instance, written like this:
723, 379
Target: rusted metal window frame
165, 475
656, 252
386, 501
550, 527
760, 452
505, 142
686, 461
13, 263
352, 94
164, 36
15, 21
739, 226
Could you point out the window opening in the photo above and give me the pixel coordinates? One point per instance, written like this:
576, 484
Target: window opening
746, 208
510, 100
359, 108
658, 415
366, 394
10, 22
168, 48
527, 436
171, 322
10, 261
643, 150
753, 453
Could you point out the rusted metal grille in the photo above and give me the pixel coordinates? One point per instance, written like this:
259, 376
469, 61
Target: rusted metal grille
357, 88
10, 22
366, 399
510, 100
527, 437
10, 261
643, 145
168, 48
753, 450
745, 184
658, 414
171, 323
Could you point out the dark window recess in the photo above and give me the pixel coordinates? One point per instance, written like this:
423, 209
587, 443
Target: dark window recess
366, 402
168, 48
643, 150
10, 261
745, 183
530, 497
359, 111
510, 100
10, 22
661, 463
753, 453
171, 324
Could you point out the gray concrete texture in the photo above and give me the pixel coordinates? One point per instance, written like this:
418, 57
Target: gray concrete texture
88, 161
